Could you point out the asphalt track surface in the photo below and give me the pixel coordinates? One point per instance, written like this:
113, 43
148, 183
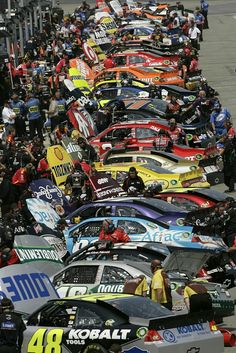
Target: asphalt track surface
218, 62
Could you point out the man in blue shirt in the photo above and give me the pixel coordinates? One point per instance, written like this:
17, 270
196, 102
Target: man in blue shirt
204, 11
35, 124
199, 19
18, 108
218, 118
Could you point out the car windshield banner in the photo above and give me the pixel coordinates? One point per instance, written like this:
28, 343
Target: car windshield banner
82, 121
104, 186
60, 163
43, 212
45, 190
73, 149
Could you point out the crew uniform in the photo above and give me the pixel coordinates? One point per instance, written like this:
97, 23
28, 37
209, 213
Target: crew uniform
34, 117
11, 329
196, 297
158, 283
18, 108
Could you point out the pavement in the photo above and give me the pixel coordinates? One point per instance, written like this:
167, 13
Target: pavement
218, 63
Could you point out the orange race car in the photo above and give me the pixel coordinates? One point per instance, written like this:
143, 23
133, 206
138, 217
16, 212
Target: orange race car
147, 74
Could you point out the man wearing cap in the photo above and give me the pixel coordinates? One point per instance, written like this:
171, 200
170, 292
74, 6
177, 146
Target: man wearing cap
19, 109
159, 292
12, 328
33, 108
110, 232
133, 181
176, 133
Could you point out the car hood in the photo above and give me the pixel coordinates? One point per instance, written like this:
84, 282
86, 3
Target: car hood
187, 261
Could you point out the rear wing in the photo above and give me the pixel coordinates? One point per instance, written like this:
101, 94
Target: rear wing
180, 320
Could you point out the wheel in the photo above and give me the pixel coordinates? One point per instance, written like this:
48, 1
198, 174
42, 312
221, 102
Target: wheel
94, 348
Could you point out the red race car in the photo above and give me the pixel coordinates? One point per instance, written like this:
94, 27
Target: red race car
191, 200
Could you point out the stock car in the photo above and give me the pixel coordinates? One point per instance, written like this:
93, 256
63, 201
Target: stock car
144, 133
107, 94
164, 160
143, 58
152, 174
198, 133
120, 83
191, 200
140, 31
146, 74
103, 272
130, 207
92, 323
140, 228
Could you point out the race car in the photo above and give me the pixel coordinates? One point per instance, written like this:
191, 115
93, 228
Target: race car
144, 133
93, 323
131, 207
140, 32
191, 200
107, 94
146, 74
107, 274
143, 58
121, 83
165, 160
158, 158
140, 228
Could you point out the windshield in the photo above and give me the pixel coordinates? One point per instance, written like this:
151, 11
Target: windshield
162, 206
140, 307
157, 169
156, 105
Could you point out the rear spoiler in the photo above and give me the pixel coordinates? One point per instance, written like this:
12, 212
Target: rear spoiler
181, 320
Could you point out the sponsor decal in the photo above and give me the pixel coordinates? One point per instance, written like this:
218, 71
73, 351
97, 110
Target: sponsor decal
141, 332
173, 182
193, 350
96, 334
43, 212
169, 336
190, 328
58, 153
37, 254
110, 288
26, 286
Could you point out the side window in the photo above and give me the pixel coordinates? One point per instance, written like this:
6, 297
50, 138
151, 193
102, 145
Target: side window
58, 314
148, 160
91, 314
119, 160
112, 274
131, 227
185, 204
120, 134
143, 133
109, 94
123, 211
77, 275
126, 75
87, 230
120, 60
136, 59
121, 176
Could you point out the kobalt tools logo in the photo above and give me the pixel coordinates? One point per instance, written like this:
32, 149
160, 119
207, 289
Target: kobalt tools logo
79, 336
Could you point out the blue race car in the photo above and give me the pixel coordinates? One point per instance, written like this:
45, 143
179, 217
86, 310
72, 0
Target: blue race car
140, 229
131, 207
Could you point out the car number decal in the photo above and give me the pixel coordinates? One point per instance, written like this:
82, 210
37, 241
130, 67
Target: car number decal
53, 341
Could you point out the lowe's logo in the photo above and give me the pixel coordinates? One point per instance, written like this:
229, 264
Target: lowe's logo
190, 328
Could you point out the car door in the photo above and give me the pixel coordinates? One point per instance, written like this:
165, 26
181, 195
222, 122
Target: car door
47, 328
137, 231
84, 234
113, 279
77, 279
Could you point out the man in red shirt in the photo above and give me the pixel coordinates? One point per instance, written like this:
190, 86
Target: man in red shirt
176, 133
109, 232
43, 168
109, 63
8, 257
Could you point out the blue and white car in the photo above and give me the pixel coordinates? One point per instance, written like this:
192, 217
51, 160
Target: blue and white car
140, 229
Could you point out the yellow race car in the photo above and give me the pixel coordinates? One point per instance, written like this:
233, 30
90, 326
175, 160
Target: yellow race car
154, 174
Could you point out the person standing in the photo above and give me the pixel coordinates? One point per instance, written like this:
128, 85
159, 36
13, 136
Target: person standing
199, 18
33, 107
229, 162
204, 11
8, 117
18, 108
196, 297
194, 34
12, 328
160, 290
133, 181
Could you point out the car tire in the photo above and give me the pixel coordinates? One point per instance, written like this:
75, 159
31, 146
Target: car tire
95, 348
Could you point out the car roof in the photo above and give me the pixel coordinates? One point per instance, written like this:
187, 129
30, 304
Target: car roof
98, 296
